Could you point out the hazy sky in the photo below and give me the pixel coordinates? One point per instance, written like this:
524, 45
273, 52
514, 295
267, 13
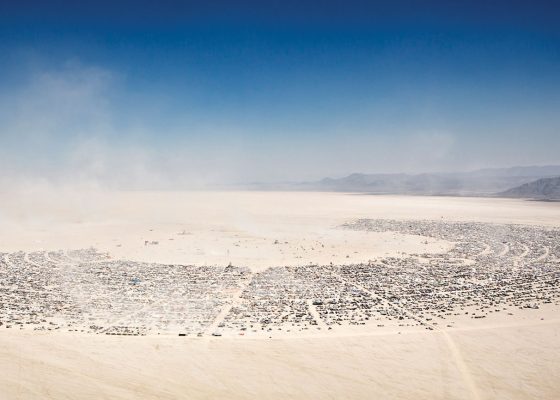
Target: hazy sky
138, 95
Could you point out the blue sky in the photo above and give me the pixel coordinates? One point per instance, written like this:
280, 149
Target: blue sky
180, 94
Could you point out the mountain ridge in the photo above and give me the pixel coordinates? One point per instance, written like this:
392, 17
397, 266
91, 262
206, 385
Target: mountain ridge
482, 182
541, 189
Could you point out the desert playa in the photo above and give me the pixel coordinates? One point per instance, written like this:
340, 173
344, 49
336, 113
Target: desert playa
282, 200
252, 229
278, 295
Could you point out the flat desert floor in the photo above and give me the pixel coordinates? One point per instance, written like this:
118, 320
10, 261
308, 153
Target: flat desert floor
508, 358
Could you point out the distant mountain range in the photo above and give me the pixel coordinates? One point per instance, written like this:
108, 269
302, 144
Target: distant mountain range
545, 188
483, 182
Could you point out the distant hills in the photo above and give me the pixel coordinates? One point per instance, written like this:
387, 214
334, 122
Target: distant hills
483, 182
545, 188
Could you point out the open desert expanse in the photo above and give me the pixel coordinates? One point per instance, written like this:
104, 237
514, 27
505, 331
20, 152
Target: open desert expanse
253, 229
283, 200
304, 296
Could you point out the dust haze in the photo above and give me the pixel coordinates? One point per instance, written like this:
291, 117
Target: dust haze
131, 265
66, 126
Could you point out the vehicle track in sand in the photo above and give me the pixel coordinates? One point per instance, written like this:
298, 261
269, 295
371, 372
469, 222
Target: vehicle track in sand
452, 346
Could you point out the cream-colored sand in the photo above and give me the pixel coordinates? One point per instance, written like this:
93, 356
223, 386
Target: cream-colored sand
517, 358
254, 229
519, 362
